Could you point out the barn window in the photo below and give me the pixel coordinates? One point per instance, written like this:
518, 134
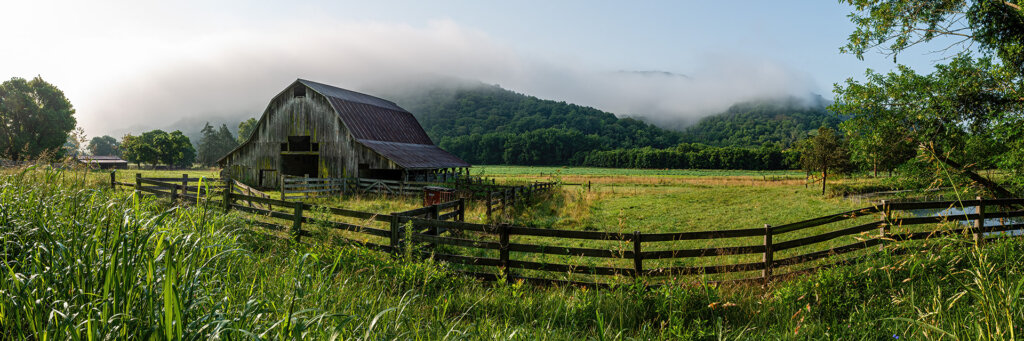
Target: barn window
298, 143
299, 91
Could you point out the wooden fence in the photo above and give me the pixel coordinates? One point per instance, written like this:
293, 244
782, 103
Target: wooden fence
294, 187
509, 195
493, 251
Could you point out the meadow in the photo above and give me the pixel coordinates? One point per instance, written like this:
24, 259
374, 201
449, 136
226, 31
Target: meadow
102, 264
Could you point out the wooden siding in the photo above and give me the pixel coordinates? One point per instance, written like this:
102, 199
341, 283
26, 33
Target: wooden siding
313, 116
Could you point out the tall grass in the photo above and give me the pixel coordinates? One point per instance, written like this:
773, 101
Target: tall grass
83, 263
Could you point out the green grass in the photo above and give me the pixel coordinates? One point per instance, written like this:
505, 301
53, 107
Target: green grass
486, 170
99, 264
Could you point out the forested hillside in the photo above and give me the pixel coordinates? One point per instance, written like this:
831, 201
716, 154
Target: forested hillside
754, 123
490, 125
485, 124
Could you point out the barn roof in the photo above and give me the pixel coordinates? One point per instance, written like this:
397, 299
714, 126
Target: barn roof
386, 128
100, 159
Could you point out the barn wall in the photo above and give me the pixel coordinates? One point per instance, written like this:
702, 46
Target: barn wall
312, 115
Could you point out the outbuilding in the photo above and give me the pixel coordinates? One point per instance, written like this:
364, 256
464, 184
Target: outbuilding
103, 162
317, 130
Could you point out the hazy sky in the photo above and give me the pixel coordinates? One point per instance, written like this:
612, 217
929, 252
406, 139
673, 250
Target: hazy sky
140, 64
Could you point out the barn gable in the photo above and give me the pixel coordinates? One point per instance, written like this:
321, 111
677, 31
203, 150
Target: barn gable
317, 129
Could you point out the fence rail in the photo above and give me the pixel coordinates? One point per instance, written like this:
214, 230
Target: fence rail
501, 250
293, 187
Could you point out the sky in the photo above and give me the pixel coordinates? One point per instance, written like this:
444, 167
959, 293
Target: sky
129, 66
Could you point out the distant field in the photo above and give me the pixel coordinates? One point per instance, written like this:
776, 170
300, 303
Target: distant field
485, 170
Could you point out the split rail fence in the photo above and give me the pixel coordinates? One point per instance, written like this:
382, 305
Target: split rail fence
494, 251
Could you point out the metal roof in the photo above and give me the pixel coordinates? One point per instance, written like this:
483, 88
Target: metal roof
386, 128
415, 156
368, 122
100, 159
348, 95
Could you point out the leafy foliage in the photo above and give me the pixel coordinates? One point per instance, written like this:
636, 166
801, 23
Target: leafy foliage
214, 144
824, 152
755, 123
104, 146
692, 156
34, 117
245, 129
158, 146
489, 125
965, 115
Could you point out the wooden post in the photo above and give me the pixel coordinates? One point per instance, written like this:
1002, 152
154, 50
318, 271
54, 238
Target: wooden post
138, 183
503, 229
184, 185
489, 195
396, 233
883, 230
113, 179
229, 186
280, 184
638, 256
462, 210
766, 273
979, 224
297, 222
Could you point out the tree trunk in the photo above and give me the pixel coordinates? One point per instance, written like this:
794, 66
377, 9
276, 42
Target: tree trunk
824, 176
991, 186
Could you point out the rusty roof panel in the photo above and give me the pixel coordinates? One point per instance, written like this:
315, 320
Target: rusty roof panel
368, 122
350, 96
414, 155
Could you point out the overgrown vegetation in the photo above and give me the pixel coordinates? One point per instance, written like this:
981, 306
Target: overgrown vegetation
102, 264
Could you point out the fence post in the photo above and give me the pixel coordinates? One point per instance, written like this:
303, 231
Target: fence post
979, 224
462, 209
113, 180
883, 230
297, 222
184, 185
280, 183
638, 256
503, 251
229, 186
489, 195
766, 273
138, 183
396, 234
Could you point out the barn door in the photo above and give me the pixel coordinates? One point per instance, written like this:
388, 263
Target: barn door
300, 157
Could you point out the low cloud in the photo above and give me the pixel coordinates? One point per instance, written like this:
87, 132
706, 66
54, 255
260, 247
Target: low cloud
229, 76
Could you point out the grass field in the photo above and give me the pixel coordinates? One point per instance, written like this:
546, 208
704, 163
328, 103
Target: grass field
102, 264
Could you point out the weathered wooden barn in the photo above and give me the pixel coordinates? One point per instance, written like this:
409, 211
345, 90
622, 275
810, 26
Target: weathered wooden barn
323, 131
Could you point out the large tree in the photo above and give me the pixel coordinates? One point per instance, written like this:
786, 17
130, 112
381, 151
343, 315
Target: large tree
34, 117
973, 101
245, 129
824, 152
214, 144
158, 146
104, 146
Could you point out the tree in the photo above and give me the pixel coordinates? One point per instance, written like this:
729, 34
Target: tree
214, 144
158, 146
979, 93
34, 117
104, 146
823, 152
245, 129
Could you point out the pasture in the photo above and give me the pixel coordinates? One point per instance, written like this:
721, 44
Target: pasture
168, 272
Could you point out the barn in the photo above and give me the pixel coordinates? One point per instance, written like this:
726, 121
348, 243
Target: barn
317, 130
